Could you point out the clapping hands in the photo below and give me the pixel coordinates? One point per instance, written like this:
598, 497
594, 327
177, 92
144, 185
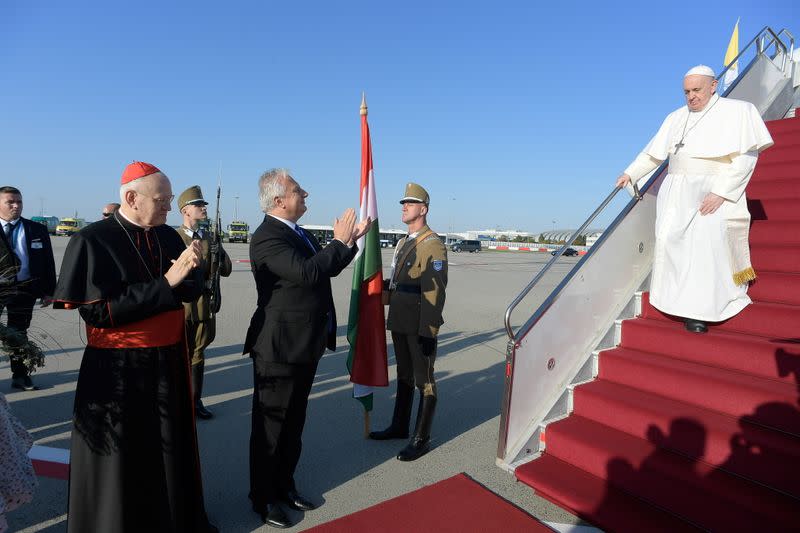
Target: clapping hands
189, 259
346, 230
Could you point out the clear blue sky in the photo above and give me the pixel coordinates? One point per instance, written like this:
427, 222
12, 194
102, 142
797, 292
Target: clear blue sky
511, 114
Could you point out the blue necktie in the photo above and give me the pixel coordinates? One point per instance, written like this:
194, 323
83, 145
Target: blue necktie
302, 234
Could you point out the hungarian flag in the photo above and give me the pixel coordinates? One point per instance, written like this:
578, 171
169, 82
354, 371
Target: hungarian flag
366, 328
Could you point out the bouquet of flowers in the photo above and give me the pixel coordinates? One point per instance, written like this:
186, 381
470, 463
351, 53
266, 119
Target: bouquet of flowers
17, 346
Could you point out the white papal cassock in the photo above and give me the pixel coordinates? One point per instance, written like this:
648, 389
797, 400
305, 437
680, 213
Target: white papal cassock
701, 266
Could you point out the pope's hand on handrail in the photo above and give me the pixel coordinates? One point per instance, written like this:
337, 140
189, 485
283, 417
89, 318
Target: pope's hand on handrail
623, 180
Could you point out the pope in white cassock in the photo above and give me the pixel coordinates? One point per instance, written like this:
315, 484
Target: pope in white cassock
701, 268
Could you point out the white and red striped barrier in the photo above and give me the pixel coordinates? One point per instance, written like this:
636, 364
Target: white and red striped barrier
50, 462
504, 248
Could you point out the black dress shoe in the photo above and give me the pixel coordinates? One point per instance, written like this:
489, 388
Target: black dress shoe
696, 326
297, 502
22, 383
415, 449
274, 515
201, 411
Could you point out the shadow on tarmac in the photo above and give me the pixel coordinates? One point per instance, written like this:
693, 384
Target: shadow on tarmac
335, 450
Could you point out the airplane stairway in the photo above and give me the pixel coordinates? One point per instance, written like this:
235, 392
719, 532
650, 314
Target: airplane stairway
685, 432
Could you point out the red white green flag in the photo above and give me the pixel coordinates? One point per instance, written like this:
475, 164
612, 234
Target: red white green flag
366, 328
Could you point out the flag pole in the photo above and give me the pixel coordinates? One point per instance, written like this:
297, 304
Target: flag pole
363, 112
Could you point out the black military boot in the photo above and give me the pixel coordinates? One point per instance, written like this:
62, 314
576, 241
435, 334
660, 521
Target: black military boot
421, 441
401, 417
197, 391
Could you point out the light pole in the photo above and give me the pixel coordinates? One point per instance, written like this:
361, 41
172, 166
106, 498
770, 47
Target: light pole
235, 208
450, 229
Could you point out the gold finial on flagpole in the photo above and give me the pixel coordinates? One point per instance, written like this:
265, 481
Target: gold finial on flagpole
363, 103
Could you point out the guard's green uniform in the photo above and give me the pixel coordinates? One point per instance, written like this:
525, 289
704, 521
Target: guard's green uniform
417, 295
200, 324
416, 299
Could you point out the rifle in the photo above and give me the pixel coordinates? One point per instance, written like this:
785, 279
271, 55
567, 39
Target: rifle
215, 257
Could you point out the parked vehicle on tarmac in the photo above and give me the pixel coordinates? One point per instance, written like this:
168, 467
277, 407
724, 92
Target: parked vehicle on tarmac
50, 222
568, 252
238, 231
69, 226
465, 246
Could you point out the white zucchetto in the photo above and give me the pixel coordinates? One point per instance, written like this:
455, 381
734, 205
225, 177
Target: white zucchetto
702, 70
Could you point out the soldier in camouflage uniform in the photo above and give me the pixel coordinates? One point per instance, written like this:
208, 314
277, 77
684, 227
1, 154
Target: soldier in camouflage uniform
200, 323
416, 299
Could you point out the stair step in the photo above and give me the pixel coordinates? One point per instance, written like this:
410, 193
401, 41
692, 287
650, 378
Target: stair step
775, 258
737, 445
766, 186
777, 170
682, 484
714, 388
775, 232
776, 321
784, 149
784, 128
594, 500
777, 287
758, 356
786, 208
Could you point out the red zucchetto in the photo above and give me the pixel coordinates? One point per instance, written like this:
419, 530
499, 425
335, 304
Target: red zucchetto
136, 170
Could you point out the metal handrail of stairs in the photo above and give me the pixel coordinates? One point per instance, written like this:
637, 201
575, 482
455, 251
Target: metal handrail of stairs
623, 238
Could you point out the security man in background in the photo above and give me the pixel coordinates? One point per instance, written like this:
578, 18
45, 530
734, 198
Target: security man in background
109, 209
27, 272
416, 299
200, 321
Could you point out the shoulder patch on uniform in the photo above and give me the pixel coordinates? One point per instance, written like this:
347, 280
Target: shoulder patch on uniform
438, 264
430, 237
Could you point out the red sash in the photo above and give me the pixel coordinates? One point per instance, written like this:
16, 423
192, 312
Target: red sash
163, 329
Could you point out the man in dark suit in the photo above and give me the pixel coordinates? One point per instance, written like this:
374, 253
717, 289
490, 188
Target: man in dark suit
294, 322
27, 272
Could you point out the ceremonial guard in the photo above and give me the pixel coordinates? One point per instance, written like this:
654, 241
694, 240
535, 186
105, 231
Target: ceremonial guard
416, 300
200, 314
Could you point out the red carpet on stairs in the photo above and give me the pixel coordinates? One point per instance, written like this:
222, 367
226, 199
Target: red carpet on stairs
457, 504
684, 432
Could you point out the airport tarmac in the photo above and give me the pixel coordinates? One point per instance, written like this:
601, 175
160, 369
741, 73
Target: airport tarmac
339, 468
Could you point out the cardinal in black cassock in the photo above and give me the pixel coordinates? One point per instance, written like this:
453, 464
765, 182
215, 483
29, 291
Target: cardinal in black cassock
134, 463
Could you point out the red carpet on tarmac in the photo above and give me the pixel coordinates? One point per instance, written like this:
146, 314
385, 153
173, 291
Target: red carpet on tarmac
457, 504
687, 432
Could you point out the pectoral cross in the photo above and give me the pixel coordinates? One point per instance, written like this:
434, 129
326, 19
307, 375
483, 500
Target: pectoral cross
679, 145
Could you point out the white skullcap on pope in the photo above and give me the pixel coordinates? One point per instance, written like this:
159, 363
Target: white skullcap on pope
702, 70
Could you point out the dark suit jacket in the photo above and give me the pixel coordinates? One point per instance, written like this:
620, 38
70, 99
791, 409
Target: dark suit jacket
291, 323
40, 260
